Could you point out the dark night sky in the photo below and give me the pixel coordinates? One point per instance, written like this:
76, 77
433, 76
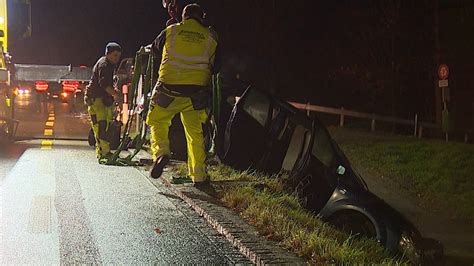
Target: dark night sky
332, 53
75, 32
70, 31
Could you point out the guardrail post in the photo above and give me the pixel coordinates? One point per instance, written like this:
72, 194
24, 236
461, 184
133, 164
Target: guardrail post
372, 125
341, 119
416, 125
308, 105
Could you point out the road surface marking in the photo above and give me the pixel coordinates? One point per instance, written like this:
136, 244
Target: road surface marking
46, 144
48, 132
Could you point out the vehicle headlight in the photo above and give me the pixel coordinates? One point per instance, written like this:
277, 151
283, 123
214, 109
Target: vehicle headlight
408, 248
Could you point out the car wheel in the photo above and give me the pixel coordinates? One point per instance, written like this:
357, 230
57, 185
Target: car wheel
354, 223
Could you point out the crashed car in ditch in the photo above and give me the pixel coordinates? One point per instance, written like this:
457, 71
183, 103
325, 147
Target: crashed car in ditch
271, 136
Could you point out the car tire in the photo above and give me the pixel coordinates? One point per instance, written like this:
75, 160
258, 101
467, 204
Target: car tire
354, 222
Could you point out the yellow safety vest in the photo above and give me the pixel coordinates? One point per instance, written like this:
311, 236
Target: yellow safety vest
188, 54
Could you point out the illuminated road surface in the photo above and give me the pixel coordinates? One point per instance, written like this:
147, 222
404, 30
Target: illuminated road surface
59, 206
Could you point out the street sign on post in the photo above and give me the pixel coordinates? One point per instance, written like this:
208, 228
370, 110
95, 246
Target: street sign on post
443, 72
442, 83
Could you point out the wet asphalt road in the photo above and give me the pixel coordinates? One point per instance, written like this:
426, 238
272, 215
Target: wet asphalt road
68, 122
59, 206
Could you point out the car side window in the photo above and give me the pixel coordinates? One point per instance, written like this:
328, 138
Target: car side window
322, 147
257, 106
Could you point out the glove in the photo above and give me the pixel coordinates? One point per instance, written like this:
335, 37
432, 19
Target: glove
148, 48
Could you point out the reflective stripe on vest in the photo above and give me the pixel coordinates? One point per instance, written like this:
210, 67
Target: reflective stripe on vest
186, 66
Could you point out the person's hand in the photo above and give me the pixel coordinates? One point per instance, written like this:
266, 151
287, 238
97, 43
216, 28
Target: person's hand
148, 48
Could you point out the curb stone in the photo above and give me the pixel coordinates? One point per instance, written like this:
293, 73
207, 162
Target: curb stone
241, 235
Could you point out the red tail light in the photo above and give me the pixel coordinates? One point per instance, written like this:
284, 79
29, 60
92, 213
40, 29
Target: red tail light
41, 86
70, 86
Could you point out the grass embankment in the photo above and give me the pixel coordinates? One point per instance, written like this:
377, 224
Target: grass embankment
439, 173
279, 217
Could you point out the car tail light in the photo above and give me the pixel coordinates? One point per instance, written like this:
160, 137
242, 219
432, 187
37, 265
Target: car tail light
41, 86
70, 86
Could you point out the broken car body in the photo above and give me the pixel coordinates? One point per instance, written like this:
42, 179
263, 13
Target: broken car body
271, 136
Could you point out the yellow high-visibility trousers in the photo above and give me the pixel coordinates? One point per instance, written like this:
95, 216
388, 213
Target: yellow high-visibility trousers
101, 117
159, 120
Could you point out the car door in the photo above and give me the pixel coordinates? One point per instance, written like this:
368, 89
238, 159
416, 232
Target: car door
314, 176
283, 133
247, 130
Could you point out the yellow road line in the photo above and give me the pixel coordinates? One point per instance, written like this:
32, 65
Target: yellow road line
46, 144
48, 132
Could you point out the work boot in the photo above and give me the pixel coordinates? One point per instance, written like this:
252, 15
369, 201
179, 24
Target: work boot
159, 165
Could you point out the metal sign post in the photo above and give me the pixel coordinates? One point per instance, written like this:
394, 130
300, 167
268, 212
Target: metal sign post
443, 83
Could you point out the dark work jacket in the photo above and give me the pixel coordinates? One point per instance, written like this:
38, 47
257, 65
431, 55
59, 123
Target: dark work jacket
102, 77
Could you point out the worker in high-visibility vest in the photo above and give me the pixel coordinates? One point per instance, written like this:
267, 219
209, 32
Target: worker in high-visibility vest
190, 55
99, 98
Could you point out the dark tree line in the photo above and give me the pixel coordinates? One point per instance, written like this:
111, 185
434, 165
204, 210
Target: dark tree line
376, 56
373, 56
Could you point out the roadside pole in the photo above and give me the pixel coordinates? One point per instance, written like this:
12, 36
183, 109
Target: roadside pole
443, 84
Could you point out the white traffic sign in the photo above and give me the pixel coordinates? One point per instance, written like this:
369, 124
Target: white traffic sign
443, 83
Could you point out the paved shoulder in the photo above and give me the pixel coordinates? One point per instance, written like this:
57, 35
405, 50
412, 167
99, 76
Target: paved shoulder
60, 206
